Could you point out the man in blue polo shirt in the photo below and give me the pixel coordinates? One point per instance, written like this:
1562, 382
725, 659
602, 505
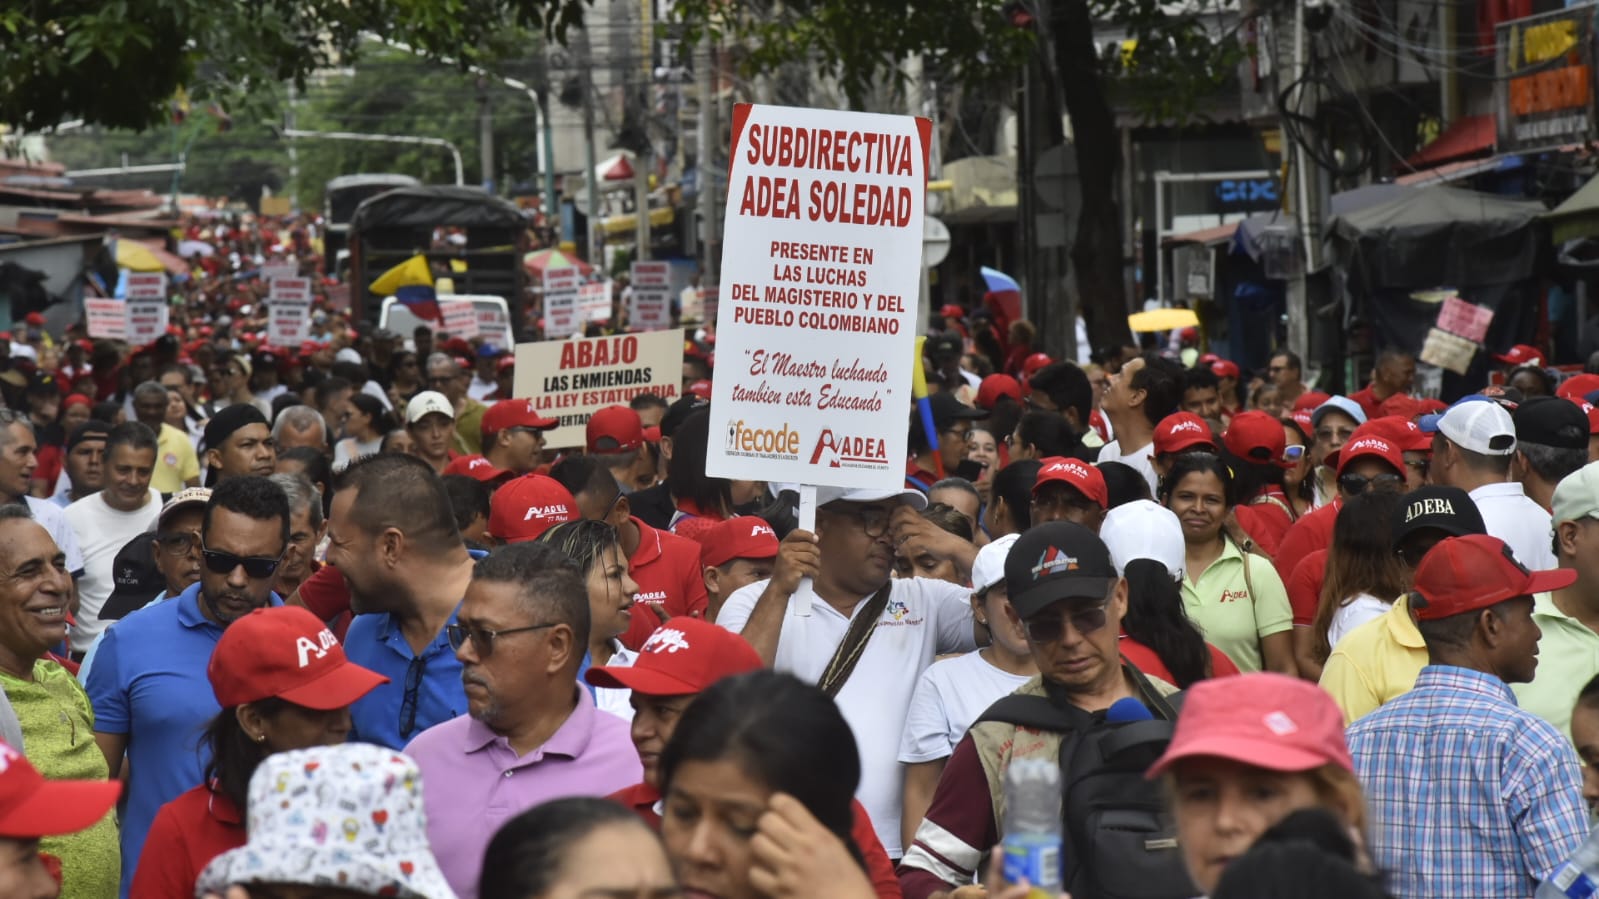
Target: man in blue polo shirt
152, 700
392, 535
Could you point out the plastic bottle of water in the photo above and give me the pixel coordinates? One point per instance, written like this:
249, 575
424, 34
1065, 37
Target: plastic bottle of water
1032, 843
1578, 878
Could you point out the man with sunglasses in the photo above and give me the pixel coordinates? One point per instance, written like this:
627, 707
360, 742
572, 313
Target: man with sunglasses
531, 733
1067, 597
152, 698
1474, 450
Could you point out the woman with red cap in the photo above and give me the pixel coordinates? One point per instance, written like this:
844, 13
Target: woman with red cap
284, 683
1247, 751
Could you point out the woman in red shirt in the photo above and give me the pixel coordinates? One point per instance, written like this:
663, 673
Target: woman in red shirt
283, 683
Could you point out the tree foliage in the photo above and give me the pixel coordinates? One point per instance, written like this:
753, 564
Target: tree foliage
119, 62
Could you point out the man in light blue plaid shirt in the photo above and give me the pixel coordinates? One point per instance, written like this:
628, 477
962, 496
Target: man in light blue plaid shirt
1471, 797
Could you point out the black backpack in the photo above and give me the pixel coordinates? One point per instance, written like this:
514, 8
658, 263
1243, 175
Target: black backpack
1118, 837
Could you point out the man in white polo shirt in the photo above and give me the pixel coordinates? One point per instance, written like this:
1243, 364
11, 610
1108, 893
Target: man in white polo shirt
1473, 449
905, 622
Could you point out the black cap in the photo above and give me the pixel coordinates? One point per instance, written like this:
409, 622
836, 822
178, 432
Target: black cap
136, 578
1505, 395
1551, 421
1056, 561
947, 410
43, 382
680, 410
224, 423
1447, 509
943, 346
93, 429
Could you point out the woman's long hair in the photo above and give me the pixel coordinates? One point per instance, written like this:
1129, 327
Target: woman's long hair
1155, 618
1014, 485
234, 756
786, 734
1361, 560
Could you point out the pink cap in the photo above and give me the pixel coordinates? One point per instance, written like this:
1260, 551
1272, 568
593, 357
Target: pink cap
1265, 720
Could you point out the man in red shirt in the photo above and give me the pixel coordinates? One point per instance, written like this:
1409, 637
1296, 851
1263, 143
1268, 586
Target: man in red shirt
666, 567
735, 553
1394, 374
513, 441
615, 436
677, 662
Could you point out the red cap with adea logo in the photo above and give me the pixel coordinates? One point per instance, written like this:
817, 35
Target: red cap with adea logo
744, 537
614, 429
1075, 473
1464, 574
528, 506
285, 652
479, 468
1263, 720
32, 807
1181, 431
683, 656
1255, 436
515, 414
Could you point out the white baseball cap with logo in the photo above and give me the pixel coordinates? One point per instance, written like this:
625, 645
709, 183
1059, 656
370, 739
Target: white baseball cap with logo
1480, 426
905, 497
1144, 530
988, 568
426, 402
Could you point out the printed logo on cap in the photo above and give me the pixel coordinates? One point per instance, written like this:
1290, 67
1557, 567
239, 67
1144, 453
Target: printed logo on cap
477, 463
545, 513
1430, 506
1371, 443
1054, 560
1070, 466
1280, 724
318, 650
761, 529
669, 640
1188, 425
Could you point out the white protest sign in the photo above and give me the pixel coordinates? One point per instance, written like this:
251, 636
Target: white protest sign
560, 301
288, 311
650, 304
275, 270
106, 318
146, 286
458, 318
594, 301
572, 379
709, 299
147, 321
821, 266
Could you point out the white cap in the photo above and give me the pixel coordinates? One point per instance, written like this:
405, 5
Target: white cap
824, 495
1480, 426
988, 568
347, 354
1144, 530
425, 402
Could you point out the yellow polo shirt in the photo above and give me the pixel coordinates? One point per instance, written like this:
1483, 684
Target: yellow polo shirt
1220, 603
175, 461
1568, 657
1375, 663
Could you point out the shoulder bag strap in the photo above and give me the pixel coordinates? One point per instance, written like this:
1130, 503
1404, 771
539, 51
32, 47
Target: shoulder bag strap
850, 648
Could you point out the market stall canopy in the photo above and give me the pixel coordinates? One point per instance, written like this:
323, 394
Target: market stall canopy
539, 261
1252, 229
1578, 217
138, 257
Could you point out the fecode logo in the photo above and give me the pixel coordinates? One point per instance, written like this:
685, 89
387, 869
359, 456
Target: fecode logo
782, 442
846, 451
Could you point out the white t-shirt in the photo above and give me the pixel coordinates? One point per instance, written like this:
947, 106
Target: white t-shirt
479, 389
1361, 609
1138, 459
1523, 524
949, 697
924, 618
615, 700
102, 532
53, 519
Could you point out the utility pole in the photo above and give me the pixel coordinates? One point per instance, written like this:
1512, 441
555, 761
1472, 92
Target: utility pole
585, 61
485, 132
1306, 199
294, 153
705, 78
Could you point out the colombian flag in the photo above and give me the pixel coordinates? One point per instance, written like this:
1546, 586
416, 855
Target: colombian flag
410, 282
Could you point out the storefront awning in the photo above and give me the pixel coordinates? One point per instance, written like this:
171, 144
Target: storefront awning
1468, 136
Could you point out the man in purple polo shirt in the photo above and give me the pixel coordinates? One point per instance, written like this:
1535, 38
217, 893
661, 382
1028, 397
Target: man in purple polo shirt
531, 734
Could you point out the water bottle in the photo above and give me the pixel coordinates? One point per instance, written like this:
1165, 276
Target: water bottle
1032, 843
1578, 877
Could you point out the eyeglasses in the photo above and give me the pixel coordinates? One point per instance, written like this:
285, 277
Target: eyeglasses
1419, 466
256, 567
1354, 484
1328, 435
1049, 625
482, 638
872, 519
408, 701
1293, 452
178, 543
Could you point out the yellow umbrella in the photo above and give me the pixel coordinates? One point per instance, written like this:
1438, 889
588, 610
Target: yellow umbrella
1162, 320
137, 257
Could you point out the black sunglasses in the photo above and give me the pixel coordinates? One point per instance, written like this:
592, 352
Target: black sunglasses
482, 638
1354, 484
256, 567
1050, 626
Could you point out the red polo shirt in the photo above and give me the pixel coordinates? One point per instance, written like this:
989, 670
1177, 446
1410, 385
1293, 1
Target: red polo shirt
1147, 661
1310, 533
187, 834
1304, 587
667, 569
642, 797
1266, 520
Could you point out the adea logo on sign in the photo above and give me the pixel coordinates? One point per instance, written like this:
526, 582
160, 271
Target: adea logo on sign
848, 451
782, 442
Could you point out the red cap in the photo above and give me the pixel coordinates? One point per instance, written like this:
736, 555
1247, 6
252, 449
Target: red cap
1182, 430
1402, 432
515, 414
506, 362
1310, 399
618, 426
1033, 363
1264, 720
995, 386
1429, 405
1464, 574
288, 653
1578, 386
743, 537
1371, 445
1305, 419
528, 506
476, 467
32, 807
34, 318
700, 388
1255, 436
1207, 359
1076, 473
952, 310
682, 657
1224, 368
76, 399
1521, 354
1592, 413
